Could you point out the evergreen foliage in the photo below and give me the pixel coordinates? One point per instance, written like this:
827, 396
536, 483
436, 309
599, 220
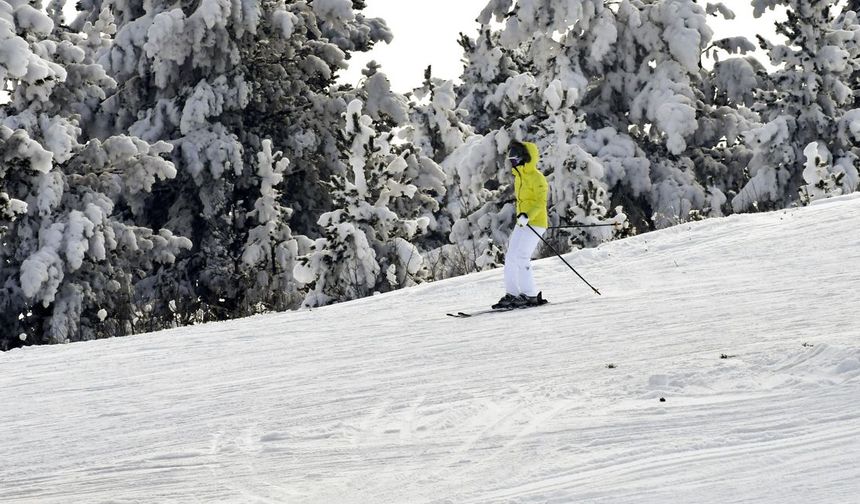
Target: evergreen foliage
807, 144
379, 214
68, 257
166, 163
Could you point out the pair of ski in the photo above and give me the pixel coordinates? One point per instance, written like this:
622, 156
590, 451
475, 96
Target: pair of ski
496, 310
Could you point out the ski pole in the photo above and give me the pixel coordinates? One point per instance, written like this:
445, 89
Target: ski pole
562, 259
581, 226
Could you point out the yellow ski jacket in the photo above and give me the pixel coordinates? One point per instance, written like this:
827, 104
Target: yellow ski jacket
531, 189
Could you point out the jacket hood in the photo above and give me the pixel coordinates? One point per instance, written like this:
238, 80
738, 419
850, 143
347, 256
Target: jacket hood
533, 154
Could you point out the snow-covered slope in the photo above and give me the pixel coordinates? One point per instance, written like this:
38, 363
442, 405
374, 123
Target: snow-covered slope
388, 400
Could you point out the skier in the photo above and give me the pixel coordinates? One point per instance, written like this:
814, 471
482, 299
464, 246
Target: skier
531, 189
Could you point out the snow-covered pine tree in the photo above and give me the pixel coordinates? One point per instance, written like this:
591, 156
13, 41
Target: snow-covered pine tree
628, 116
294, 97
853, 6
67, 258
216, 79
529, 78
487, 66
379, 212
178, 65
437, 127
728, 92
652, 89
270, 252
808, 144
477, 202
475, 212
390, 111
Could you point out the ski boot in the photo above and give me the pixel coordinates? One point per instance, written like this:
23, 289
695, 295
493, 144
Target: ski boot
507, 302
524, 301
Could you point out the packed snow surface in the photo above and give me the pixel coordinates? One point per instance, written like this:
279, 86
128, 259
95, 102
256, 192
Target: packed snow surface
746, 326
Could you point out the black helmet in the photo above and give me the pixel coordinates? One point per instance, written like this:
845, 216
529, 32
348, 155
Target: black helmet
518, 154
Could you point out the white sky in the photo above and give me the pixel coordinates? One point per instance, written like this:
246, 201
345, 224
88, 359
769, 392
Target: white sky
429, 37
422, 37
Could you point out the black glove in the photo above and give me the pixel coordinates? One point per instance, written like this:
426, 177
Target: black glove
522, 219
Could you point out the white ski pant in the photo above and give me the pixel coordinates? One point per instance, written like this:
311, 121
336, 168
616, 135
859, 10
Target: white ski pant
518, 270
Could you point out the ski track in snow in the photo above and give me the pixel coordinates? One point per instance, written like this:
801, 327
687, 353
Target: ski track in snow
387, 400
